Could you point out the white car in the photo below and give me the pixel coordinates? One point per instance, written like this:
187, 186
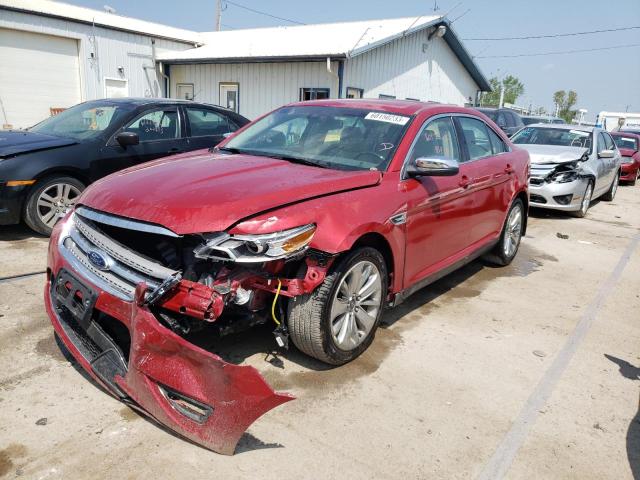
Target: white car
571, 165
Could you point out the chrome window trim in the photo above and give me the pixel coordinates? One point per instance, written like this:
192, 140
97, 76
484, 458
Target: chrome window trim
122, 222
405, 163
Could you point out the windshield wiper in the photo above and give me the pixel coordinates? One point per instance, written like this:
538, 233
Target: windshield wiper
226, 149
292, 159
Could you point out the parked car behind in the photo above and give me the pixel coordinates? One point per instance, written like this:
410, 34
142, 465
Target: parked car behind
629, 146
44, 169
508, 120
315, 217
529, 119
571, 165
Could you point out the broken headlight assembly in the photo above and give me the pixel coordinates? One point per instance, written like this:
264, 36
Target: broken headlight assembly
255, 248
565, 176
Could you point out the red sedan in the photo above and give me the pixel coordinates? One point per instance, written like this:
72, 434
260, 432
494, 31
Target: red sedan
315, 217
629, 146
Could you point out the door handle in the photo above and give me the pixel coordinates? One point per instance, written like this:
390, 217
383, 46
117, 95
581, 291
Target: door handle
508, 169
464, 182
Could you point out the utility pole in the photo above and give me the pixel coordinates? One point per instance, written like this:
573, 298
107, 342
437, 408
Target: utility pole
501, 95
218, 14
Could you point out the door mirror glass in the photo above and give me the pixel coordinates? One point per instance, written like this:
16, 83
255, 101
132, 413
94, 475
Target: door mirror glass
127, 138
433, 167
606, 154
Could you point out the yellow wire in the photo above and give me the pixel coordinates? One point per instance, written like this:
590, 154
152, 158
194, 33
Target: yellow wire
273, 305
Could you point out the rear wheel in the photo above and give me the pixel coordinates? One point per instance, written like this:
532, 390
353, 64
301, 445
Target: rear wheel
633, 182
49, 201
586, 201
611, 193
337, 321
507, 248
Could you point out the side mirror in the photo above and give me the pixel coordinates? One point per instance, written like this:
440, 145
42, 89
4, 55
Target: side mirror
433, 167
606, 154
127, 138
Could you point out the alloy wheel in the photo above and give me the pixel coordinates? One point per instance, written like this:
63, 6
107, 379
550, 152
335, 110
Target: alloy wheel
513, 231
55, 201
355, 305
614, 187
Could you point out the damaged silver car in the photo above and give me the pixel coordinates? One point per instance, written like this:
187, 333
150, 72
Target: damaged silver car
571, 165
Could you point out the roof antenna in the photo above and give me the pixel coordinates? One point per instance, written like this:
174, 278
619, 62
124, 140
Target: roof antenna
435, 6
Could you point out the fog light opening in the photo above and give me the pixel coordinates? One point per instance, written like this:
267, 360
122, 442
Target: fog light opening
186, 406
563, 199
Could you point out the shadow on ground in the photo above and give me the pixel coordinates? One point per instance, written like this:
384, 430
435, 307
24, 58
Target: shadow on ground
627, 370
11, 233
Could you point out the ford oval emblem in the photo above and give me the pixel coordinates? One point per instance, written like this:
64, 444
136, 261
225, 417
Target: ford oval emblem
98, 260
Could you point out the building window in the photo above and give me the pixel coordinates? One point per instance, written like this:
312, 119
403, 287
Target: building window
314, 93
353, 92
184, 91
413, 99
230, 95
386, 97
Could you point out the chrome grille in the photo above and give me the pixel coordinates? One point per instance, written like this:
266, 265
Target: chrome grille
124, 270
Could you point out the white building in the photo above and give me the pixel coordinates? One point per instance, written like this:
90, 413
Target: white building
256, 70
54, 55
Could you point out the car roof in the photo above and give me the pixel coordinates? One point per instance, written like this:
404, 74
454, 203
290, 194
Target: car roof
565, 126
399, 107
140, 101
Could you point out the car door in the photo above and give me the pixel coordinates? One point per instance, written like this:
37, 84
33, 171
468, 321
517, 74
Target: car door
438, 207
160, 133
602, 166
490, 167
206, 127
613, 162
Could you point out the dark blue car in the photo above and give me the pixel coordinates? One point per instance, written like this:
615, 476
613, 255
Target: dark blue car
44, 169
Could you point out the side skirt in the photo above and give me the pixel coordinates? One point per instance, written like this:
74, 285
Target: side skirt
406, 293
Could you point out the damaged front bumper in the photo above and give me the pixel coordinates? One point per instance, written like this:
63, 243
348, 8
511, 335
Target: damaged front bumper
123, 346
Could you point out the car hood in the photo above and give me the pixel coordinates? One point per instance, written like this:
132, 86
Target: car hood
209, 192
15, 142
553, 153
627, 152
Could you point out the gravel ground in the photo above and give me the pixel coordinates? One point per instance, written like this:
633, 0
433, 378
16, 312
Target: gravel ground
519, 372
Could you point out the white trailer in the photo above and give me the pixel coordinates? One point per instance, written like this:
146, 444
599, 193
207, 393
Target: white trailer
615, 120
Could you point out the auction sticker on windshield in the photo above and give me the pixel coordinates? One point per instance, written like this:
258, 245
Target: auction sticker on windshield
387, 117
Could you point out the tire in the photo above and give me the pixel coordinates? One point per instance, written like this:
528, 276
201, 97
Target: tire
507, 248
611, 193
633, 182
49, 200
586, 201
327, 334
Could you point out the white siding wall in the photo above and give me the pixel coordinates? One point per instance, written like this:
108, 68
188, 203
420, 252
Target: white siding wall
401, 68
111, 48
263, 86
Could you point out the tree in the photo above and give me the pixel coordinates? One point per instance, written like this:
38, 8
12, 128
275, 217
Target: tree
513, 88
565, 101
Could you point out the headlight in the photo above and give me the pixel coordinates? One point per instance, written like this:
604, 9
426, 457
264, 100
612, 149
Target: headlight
565, 177
256, 248
627, 159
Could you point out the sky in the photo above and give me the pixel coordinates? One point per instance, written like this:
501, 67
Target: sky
603, 79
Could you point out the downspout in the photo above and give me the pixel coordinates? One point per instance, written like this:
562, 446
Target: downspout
159, 68
338, 75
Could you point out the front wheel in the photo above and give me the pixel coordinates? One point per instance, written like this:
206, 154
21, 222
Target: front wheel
49, 201
586, 202
507, 248
611, 193
337, 321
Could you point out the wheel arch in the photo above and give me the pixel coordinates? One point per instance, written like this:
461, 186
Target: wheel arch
379, 242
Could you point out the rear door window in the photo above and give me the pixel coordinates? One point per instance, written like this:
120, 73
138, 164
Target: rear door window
497, 145
205, 122
476, 137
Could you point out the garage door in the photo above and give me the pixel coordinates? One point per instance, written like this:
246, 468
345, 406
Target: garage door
38, 72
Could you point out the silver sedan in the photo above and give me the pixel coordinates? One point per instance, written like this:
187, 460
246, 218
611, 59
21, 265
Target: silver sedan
571, 165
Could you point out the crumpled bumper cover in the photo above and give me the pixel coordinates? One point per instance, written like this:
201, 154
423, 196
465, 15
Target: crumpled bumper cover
164, 369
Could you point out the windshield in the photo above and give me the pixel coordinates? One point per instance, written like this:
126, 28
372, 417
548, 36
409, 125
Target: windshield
84, 121
626, 142
553, 136
340, 138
